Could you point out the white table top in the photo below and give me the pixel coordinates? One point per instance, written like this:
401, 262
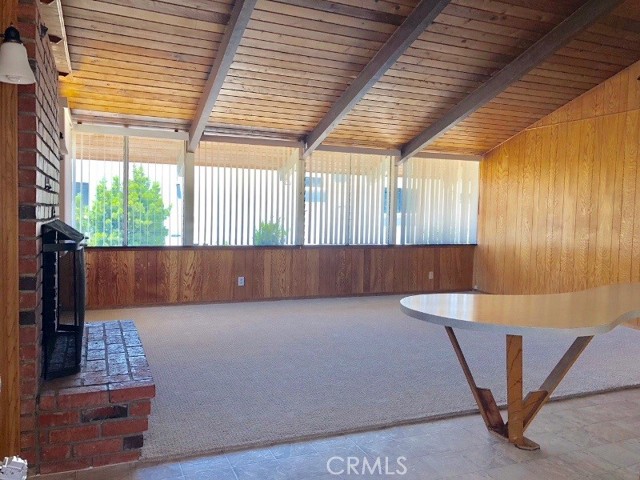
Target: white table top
584, 313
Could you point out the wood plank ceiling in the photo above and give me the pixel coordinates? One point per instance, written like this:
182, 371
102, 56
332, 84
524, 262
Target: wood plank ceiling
294, 61
147, 66
149, 61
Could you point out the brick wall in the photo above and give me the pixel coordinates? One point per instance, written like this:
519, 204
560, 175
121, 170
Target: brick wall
98, 416
38, 176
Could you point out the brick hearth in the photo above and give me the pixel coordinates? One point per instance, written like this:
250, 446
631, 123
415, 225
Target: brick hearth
98, 416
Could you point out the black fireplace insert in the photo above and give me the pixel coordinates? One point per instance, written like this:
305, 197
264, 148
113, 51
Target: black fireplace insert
63, 299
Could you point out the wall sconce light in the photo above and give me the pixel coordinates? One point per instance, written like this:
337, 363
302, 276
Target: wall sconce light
14, 62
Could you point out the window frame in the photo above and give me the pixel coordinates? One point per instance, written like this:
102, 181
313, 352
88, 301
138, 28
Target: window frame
394, 230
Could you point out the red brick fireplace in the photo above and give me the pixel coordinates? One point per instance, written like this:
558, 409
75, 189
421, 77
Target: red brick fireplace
38, 189
98, 416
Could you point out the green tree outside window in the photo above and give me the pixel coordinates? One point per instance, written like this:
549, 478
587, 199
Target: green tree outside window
102, 222
269, 233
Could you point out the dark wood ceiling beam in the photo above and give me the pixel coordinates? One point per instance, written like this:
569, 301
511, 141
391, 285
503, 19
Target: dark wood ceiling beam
240, 16
419, 19
583, 17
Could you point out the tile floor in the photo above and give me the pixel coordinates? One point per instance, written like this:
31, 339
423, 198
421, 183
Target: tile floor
595, 437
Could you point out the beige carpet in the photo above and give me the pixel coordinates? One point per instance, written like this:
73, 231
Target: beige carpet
233, 375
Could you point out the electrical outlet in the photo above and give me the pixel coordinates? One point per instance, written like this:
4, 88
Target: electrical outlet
430, 275
241, 281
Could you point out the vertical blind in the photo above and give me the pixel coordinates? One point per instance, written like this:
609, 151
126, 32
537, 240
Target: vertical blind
97, 188
244, 194
154, 192
369, 208
439, 201
327, 198
345, 198
130, 190
139, 206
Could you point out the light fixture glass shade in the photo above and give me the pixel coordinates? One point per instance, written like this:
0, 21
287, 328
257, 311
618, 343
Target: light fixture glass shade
14, 64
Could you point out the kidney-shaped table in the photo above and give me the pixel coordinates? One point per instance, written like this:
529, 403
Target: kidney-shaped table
579, 314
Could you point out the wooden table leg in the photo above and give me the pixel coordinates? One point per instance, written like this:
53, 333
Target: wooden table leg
534, 401
515, 405
483, 396
521, 411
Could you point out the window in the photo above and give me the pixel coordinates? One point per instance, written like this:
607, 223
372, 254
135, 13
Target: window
439, 201
131, 191
82, 189
149, 189
154, 193
245, 194
345, 198
98, 193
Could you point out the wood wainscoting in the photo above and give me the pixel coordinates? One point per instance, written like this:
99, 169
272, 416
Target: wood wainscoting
9, 278
559, 207
133, 276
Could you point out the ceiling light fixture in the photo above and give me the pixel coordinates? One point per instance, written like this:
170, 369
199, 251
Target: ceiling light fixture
14, 62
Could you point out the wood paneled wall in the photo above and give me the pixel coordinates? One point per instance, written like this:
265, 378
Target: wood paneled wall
122, 277
9, 300
560, 202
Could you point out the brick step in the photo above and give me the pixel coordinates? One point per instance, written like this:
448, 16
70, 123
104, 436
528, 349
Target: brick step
96, 418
